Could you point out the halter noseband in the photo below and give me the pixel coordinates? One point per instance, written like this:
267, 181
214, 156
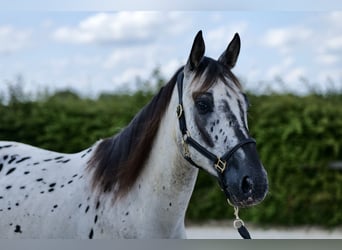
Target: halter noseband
220, 163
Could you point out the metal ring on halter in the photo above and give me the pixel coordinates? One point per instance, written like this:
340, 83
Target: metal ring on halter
238, 223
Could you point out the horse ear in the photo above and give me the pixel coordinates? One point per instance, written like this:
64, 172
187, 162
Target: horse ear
231, 54
197, 52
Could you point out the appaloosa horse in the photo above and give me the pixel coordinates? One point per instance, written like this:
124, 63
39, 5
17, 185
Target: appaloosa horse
138, 183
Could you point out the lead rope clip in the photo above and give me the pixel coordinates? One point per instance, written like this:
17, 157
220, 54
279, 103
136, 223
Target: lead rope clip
239, 224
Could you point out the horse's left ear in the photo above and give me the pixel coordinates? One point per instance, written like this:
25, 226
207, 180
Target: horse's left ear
231, 54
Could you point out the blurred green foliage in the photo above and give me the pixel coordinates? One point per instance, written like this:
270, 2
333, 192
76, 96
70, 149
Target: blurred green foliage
297, 138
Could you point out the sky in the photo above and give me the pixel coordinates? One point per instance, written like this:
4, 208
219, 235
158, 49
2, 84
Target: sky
96, 51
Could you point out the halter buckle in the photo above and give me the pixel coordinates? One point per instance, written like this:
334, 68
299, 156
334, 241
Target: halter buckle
179, 110
220, 165
186, 150
185, 145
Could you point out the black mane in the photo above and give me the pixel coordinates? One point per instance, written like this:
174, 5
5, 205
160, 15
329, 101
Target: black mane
122, 157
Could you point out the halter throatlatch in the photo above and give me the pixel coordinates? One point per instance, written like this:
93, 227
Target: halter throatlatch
220, 163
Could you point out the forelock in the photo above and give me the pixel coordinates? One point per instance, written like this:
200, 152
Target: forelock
210, 72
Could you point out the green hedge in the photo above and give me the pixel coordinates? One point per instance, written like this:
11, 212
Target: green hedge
297, 138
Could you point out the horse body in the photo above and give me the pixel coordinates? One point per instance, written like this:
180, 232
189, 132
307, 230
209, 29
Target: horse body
138, 183
70, 208
40, 191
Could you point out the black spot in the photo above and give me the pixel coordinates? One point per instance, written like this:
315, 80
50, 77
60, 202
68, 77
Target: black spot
42, 192
52, 185
9, 208
5, 146
59, 157
75, 175
61, 161
79, 205
91, 234
211, 129
51, 190
55, 206
17, 204
11, 224
5, 157
62, 186
216, 137
26, 172
13, 157
97, 205
10, 171
23, 159
48, 160
225, 139
9, 187
163, 187
69, 182
170, 204
22, 187
1, 165
95, 219
17, 229
36, 163
127, 213
88, 151
217, 121
1, 197
39, 179
86, 210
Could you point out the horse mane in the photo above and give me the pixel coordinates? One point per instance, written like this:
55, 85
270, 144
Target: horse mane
119, 160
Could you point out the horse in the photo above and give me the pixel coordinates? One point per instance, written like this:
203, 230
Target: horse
138, 183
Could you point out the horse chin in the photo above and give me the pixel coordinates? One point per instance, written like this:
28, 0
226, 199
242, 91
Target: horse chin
243, 203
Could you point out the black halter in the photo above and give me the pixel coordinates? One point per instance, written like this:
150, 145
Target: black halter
220, 163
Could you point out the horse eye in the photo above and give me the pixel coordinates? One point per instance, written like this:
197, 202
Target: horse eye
203, 106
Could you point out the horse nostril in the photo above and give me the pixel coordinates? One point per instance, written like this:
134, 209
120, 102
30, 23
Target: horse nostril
247, 185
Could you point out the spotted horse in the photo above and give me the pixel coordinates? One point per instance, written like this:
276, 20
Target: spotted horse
138, 183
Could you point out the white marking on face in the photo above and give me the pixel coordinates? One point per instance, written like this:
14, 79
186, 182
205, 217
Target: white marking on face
223, 127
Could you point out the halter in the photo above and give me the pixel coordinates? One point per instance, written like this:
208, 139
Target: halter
220, 163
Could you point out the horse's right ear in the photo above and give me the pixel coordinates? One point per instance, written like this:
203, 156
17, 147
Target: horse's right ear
197, 52
231, 54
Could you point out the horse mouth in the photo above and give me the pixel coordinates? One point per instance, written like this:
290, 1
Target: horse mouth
249, 202
243, 203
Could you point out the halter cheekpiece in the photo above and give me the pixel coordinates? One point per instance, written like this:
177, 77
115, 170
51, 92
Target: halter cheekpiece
220, 163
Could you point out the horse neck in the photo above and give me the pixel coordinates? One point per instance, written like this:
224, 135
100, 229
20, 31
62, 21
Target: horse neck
169, 180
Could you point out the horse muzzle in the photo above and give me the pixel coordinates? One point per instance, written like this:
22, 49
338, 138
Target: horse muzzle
245, 188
